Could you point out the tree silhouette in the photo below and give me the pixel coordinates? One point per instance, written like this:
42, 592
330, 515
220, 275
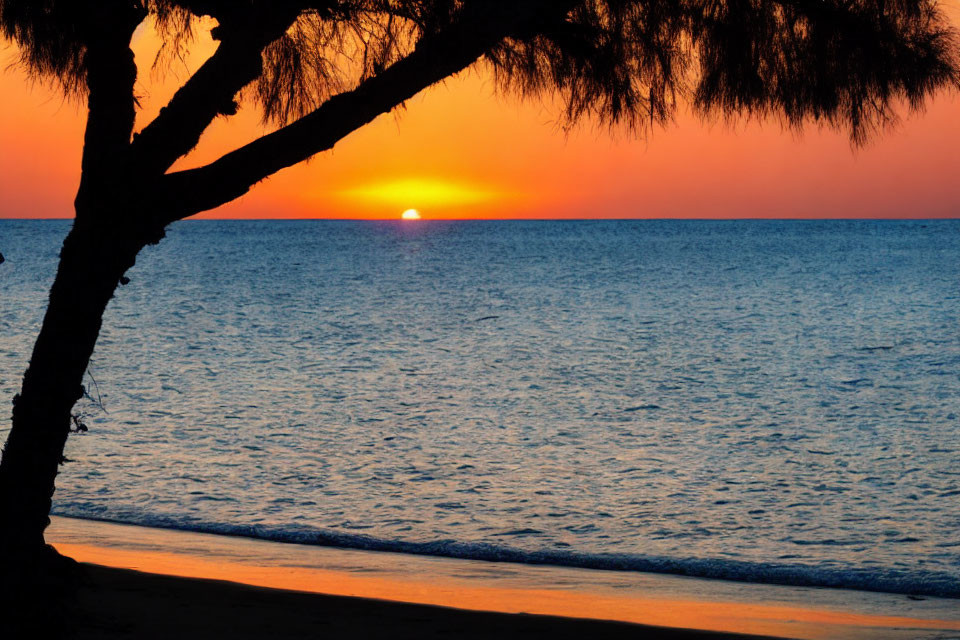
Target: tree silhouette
320, 69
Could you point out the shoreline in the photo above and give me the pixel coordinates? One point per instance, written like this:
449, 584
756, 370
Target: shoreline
917, 582
490, 588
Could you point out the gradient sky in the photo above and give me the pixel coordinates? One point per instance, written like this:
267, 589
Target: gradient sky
460, 151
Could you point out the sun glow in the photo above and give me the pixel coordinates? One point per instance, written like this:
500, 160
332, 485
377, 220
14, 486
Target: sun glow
427, 192
410, 214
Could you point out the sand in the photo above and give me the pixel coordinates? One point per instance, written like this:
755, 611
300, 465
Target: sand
145, 583
119, 603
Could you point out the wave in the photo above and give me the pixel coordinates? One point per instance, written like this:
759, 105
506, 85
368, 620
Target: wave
900, 581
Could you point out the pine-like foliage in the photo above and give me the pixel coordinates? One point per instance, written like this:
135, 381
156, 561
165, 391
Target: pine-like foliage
841, 62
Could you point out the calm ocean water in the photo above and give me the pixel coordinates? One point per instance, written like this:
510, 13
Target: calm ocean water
765, 401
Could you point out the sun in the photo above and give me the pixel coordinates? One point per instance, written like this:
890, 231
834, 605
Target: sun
410, 214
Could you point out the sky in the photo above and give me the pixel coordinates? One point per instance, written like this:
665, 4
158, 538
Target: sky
459, 150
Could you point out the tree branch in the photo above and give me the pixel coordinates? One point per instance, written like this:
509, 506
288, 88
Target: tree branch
211, 90
482, 25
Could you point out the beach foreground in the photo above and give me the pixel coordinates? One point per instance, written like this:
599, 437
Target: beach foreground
118, 603
222, 586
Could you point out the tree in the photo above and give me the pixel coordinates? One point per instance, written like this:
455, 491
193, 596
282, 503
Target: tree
320, 69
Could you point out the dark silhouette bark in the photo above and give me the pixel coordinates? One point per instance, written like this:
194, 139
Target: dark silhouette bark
91, 264
101, 246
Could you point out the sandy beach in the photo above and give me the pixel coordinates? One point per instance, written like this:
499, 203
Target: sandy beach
151, 583
118, 603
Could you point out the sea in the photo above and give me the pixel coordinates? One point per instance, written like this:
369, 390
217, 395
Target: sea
760, 401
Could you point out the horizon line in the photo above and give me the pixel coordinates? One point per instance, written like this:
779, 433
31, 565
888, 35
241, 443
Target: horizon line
525, 219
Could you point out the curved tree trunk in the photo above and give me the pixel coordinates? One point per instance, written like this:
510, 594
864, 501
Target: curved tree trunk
92, 261
101, 246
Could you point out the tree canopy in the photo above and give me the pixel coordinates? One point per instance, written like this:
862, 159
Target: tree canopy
846, 63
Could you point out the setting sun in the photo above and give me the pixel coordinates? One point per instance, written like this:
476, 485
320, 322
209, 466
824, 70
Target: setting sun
410, 214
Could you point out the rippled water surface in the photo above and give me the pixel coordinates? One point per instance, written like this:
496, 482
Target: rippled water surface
723, 398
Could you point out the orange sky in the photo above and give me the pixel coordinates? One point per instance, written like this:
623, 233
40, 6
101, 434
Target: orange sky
459, 151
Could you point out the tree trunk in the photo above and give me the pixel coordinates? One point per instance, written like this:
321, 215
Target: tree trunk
95, 255
101, 246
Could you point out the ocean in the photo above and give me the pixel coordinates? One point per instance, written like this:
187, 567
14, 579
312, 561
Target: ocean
764, 401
